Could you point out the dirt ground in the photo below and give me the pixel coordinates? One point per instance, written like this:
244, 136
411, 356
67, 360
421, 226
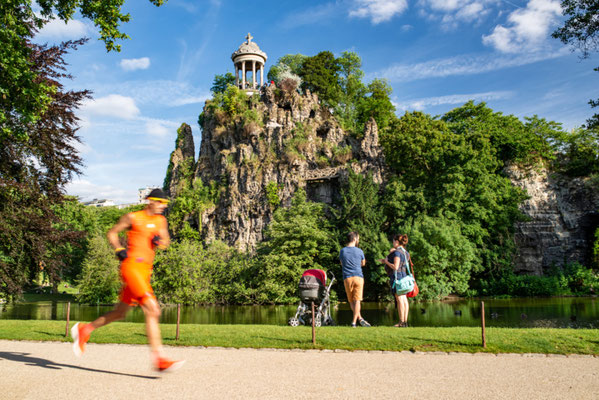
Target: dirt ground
49, 370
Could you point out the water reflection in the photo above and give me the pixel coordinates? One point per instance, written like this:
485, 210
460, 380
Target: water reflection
525, 313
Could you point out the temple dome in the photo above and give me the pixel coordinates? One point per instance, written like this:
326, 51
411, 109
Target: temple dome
248, 48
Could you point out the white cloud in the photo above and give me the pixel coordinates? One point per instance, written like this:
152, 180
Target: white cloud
81, 147
133, 64
87, 190
527, 28
377, 10
421, 104
58, 30
443, 5
113, 105
460, 65
158, 92
320, 13
157, 129
451, 13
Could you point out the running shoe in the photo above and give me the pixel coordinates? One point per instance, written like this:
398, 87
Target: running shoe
163, 364
79, 338
364, 323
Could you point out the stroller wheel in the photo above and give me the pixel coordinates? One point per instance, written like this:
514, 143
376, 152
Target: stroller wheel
317, 321
293, 321
329, 321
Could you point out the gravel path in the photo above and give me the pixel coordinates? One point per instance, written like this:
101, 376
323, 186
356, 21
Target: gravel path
49, 370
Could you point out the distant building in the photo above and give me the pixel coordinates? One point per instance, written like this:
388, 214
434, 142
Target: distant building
99, 203
144, 192
121, 206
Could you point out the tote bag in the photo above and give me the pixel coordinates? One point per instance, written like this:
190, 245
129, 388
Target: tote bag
406, 284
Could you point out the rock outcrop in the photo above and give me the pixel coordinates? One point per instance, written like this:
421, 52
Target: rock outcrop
283, 142
259, 156
182, 161
563, 214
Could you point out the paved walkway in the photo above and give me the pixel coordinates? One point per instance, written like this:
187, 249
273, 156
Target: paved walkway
49, 370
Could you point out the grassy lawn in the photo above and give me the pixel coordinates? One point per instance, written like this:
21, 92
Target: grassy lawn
460, 339
66, 292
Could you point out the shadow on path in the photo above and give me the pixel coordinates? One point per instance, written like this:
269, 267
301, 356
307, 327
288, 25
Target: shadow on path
43, 363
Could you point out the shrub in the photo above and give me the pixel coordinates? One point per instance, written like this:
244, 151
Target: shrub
191, 273
298, 238
342, 155
99, 280
289, 85
572, 279
272, 194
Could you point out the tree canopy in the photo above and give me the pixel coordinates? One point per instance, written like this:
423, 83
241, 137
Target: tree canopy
33, 173
24, 93
581, 30
338, 83
221, 82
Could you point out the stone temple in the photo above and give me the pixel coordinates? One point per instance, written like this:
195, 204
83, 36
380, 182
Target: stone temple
249, 58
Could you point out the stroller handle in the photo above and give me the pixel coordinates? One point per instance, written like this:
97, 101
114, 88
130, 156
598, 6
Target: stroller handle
332, 279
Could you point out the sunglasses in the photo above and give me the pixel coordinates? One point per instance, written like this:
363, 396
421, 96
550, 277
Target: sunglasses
163, 201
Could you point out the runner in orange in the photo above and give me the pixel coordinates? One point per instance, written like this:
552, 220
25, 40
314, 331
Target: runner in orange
147, 229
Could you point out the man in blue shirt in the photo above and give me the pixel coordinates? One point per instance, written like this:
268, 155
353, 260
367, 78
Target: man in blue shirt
352, 260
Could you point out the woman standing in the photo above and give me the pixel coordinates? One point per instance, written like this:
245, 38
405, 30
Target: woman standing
396, 266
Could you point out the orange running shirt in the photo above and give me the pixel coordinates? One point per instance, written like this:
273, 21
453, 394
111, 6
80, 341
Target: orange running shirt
139, 238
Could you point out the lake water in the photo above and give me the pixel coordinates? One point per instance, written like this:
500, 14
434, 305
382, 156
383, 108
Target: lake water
569, 312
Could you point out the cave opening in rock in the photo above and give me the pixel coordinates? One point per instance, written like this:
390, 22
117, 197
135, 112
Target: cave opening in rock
323, 190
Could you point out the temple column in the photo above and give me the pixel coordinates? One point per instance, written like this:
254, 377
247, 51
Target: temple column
236, 75
243, 75
253, 74
261, 74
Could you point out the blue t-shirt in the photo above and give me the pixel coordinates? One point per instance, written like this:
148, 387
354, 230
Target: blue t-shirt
403, 262
351, 261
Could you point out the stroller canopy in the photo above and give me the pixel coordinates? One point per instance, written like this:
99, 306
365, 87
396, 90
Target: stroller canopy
318, 274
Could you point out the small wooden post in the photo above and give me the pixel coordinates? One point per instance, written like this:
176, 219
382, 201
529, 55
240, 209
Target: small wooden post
66, 331
178, 320
313, 330
482, 314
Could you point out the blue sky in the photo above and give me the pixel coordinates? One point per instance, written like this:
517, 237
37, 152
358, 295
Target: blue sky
436, 54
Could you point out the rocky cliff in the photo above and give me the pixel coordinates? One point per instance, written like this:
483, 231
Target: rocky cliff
261, 155
181, 161
563, 214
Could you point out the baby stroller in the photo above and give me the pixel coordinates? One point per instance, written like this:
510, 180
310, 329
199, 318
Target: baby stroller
312, 288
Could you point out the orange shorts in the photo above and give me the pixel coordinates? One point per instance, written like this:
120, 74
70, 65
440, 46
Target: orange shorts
354, 286
136, 279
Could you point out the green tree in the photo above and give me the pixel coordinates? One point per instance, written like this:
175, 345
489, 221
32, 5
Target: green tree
221, 82
522, 143
298, 238
288, 64
320, 75
451, 173
581, 30
34, 168
579, 155
38, 134
444, 257
184, 215
190, 273
99, 281
352, 89
360, 210
24, 93
376, 104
